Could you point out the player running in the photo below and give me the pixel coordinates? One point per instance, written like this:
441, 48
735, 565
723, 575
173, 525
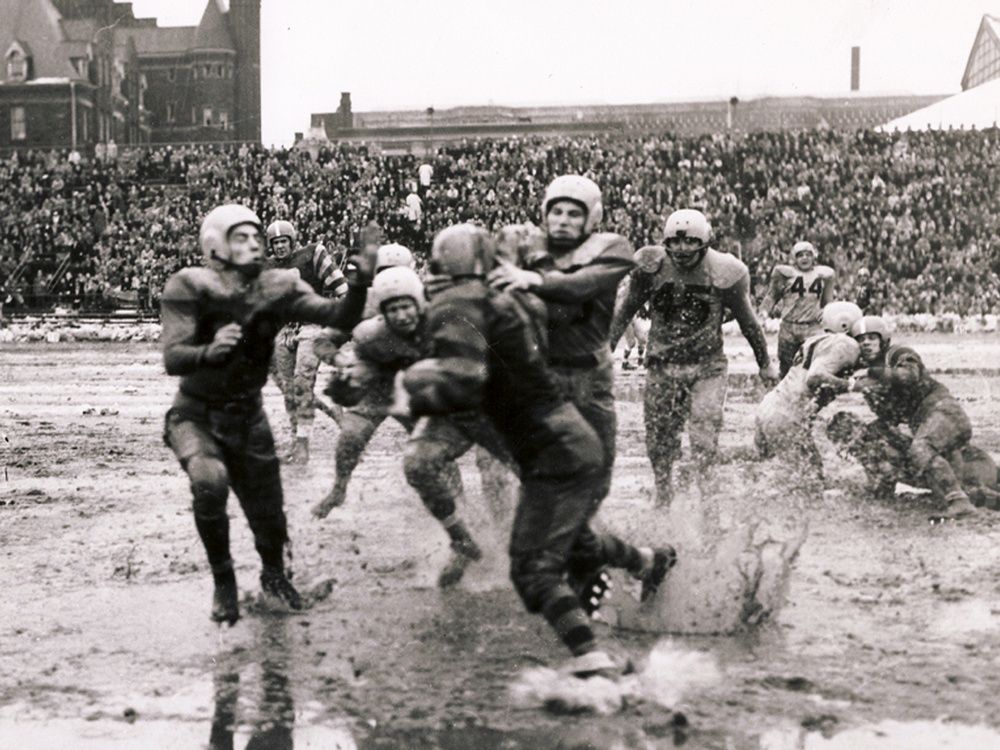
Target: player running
295, 362
802, 290
822, 369
576, 271
688, 286
899, 390
486, 357
219, 325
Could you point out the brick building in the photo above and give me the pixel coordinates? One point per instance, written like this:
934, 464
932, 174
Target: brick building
87, 72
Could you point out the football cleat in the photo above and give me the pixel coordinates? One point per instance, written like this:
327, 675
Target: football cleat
597, 664
591, 589
463, 554
274, 583
225, 602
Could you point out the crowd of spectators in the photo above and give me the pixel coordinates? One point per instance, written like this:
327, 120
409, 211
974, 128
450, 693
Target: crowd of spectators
919, 210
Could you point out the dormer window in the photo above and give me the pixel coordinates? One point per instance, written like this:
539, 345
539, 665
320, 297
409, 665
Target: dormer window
18, 63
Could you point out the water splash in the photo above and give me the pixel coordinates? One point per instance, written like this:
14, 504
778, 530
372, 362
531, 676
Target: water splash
669, 676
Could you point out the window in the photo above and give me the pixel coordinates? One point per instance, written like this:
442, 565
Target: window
17, 66
224, 120
206, 116
18, 126
170, 113
218, 71
170, 74
206, 70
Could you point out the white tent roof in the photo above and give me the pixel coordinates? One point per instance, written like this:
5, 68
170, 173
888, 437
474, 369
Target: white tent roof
979, 108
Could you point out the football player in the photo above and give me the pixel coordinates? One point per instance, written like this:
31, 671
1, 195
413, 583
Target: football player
899, 390
486, 357
295, 362
883, 454
688, 286
576, 269
802, 290
219, 325
821, 370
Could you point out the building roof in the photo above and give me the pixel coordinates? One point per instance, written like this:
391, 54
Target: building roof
35, 24
159, 41
978, 107
213, 31
988, 33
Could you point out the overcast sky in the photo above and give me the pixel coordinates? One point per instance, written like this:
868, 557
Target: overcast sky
392, 54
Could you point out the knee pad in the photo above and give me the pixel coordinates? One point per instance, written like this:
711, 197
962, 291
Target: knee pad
921, 454
209, 485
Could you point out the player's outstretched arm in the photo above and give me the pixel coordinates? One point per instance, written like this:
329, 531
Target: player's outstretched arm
827, 297
179, 318
635, 290
772, 297
737, 299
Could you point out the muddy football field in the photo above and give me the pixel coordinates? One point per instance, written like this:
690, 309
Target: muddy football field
105, 640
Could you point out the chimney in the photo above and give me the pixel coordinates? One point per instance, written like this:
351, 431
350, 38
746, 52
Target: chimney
344, 110
855, 68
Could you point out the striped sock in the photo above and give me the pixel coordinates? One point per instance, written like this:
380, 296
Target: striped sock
563, 613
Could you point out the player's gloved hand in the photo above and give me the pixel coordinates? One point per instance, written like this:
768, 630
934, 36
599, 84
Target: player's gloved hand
769, 374
360, 267
400, 397
509, 277
226, 339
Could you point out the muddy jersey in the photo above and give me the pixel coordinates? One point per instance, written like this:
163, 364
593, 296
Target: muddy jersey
580, 287
377, 344
828, 353
899, 390
197, 302
484, 355
799, 294
686, 305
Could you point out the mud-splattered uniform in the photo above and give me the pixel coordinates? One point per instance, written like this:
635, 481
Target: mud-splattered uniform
801, 296
899, 391
486, 358
217, 427
685, 362
384, 352
295, 362
785, 416
884, 454
579, 287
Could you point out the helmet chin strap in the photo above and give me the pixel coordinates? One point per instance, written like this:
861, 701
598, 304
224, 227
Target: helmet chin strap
252, 270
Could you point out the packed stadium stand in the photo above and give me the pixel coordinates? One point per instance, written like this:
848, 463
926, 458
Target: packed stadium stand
917, 209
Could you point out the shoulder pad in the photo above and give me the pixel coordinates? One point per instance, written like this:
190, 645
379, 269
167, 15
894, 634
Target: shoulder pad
726, 270
839, 349
825, 272
650, 258
190, 283
783, 270
369, 330
601, 245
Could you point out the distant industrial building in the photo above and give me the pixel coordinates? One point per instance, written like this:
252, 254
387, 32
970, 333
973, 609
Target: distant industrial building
423, 130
